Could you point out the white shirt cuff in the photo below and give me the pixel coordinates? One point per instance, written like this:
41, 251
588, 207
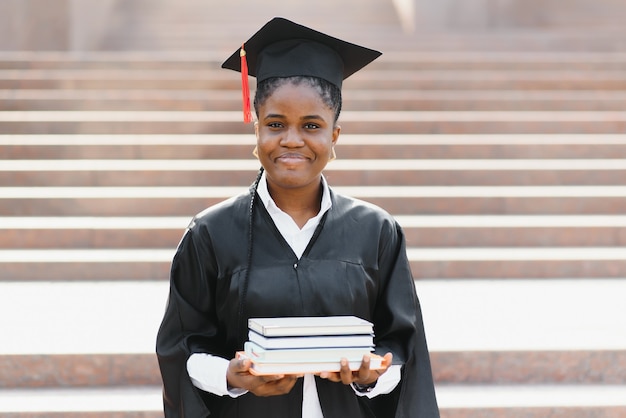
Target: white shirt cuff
385, 384
208, 373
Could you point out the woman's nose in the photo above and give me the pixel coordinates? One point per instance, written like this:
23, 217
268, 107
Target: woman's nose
292, 138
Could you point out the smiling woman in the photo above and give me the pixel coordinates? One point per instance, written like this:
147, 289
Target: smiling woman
293, 247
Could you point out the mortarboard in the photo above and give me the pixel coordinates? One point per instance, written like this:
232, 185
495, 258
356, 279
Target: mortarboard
282, 48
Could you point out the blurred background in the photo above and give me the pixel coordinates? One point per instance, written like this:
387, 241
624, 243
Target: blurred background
493, 130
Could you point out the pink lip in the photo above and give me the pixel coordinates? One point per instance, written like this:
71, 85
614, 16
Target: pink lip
291, 158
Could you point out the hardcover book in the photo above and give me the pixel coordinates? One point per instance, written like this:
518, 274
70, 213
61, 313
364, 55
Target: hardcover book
319, 341
258, 353
308, 325
263, 368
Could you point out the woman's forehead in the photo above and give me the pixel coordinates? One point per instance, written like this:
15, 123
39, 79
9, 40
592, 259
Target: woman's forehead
298, 94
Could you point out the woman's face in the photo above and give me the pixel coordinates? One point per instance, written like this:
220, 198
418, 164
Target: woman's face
295, 135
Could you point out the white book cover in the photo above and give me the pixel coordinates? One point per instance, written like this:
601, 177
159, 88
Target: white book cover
310, 325
260, 368
258, 353
323, 341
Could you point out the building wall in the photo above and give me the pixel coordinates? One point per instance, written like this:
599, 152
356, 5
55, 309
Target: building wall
502, 14
66, 25
81, 25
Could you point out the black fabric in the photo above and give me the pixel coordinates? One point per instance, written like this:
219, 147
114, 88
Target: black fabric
355, 265
282, 48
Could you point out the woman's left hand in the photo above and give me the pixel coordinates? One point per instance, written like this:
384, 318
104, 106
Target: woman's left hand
363, 376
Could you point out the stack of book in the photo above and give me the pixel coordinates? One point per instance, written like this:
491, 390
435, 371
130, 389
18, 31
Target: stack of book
296, 345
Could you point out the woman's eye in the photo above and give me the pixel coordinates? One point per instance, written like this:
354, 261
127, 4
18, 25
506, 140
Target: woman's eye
274, 125
311, 126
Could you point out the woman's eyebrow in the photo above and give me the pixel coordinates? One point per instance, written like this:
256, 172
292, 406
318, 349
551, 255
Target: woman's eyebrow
273, 115
280, 116
312, 117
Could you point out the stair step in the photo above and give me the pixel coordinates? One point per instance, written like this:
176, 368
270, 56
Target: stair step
81, 370
537, 140
341, 165
513, 263
533, 366
120, 204
437, 146
418, 79
525, 314
349, 116
532, 401
118, 402
406, 221
580, 401
426, 263
516, 254
53, 235
379, 122
449, 367
356, 191
412, 58
343, 172
524, 39
459, 315
424, 100
110, 317
337, 176
69, 232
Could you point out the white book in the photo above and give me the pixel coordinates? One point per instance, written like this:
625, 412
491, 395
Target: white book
320, 341
310, 325
260, 368
258, 353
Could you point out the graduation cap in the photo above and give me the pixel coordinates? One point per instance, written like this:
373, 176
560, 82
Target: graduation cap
282, 48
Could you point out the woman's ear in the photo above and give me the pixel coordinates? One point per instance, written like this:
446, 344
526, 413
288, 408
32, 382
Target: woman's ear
256, 129
336, 131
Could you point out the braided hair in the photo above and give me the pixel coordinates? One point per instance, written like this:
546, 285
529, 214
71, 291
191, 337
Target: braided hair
331, 96
241, 314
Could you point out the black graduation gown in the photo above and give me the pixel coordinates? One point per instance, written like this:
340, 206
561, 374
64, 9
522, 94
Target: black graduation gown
355, 264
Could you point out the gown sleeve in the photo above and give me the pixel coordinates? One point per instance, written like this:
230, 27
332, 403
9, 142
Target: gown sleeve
188, 326
400, 329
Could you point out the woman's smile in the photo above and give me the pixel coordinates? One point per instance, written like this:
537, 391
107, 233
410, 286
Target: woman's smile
291, 158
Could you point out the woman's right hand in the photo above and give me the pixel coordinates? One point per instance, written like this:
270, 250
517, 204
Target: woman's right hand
239, 376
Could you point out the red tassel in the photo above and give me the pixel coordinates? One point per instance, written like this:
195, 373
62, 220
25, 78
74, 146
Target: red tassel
245, 88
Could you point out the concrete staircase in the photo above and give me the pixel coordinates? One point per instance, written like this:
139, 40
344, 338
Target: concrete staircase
507, 170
